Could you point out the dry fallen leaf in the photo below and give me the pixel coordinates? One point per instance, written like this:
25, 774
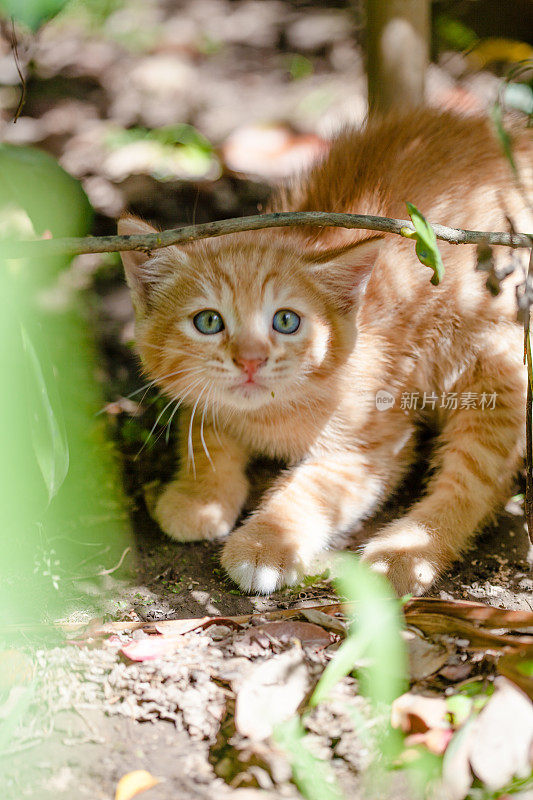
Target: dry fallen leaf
415, 713
270, 692
456, 672
496, 745
327, 621
517, 667
453, 625
483, 615
456, 773
425, 657
177, 626
502, 737
436, 740
150, 648
309, 634
133, 783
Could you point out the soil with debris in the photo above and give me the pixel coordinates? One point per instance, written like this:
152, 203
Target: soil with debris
265, 81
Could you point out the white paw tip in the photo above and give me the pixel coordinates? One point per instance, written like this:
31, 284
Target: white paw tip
380, 566
292, 577
243, 575
266, 580
425, 573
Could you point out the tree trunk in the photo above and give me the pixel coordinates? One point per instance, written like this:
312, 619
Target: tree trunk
398, 35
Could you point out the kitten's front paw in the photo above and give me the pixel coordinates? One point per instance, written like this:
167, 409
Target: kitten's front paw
408, 555
258, 560
188, 518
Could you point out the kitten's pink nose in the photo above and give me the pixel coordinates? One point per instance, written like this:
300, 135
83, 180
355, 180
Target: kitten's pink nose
249, 365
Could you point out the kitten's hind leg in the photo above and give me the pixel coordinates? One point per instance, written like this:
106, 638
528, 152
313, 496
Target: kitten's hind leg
210, 488
478, 452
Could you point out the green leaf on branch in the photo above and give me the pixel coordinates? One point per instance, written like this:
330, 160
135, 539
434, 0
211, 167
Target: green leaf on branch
426, 247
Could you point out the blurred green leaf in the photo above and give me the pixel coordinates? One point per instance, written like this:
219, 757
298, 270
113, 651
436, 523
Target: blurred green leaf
454, 33
34, 181
460, 707
313, 776
526, 667
299, 66
169, 135
426, 247
32, 13
166, 153
48, 433
503, 137
374, 637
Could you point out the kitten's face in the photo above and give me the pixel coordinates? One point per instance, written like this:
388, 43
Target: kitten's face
242, 325
242, 329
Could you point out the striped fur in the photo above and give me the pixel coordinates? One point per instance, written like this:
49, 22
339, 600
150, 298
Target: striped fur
371, 322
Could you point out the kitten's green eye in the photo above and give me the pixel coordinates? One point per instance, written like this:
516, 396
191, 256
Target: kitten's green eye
286, 321
208, 322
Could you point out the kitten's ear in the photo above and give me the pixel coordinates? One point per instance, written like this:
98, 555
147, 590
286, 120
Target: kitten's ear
344, 271
134, 261
144, 270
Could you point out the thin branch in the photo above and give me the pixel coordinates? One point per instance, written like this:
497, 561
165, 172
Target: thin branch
191, 233
14, 48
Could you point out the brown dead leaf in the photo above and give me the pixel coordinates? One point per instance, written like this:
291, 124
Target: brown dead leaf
478, 638
134, 783
456, 672
425, 657
270, 692
285, 631
511, 666
327, 621
177, 626
415, 713
482, 615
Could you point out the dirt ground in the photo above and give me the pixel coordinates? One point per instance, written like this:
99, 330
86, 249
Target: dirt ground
266, 82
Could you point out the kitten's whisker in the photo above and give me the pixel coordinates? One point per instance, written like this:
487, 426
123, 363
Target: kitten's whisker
146, 388
214, 417
173, 400
190, 447
169, 423
165, 377
154, 426
178, 402
202, 430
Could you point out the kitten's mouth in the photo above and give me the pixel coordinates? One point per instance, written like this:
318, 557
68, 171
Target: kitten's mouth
248, 386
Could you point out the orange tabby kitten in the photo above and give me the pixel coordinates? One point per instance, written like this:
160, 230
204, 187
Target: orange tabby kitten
326, 348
